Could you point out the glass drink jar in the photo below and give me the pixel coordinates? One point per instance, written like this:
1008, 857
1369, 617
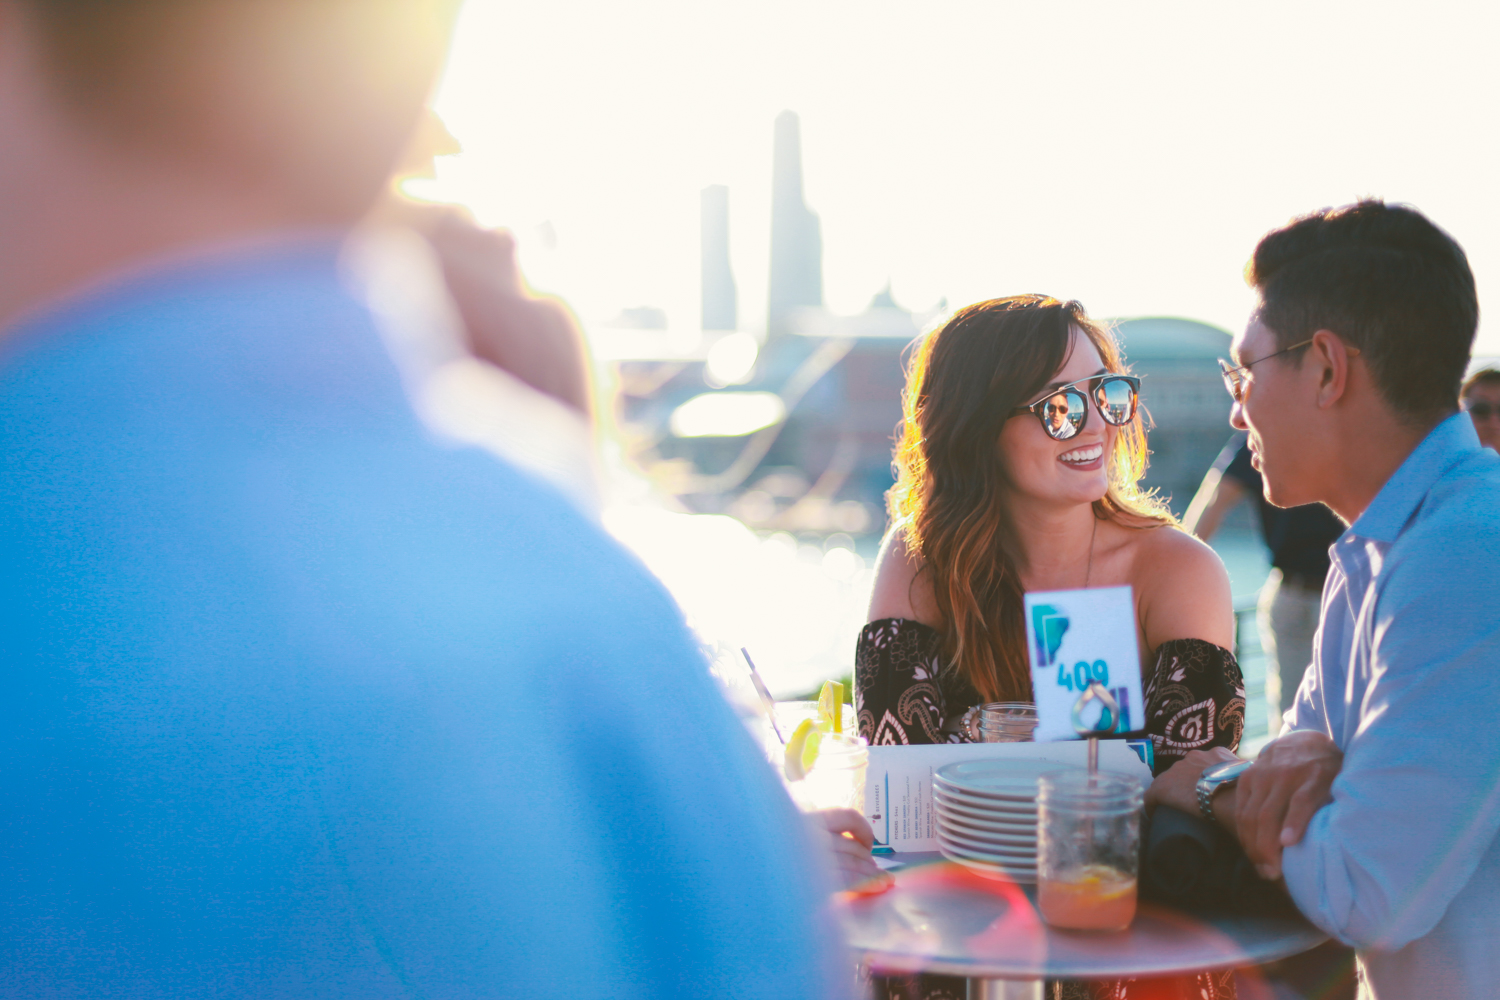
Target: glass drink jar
1007, 722
837, 778
1088, 849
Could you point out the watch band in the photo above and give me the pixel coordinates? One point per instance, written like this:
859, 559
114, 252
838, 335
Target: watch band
1214, 778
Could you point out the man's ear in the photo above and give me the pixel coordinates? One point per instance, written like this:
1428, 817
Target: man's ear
1330, 357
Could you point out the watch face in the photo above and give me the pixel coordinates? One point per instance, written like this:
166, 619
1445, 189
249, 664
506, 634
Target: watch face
1228, 769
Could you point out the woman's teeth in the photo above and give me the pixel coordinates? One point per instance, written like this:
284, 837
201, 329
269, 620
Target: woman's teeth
1082, 456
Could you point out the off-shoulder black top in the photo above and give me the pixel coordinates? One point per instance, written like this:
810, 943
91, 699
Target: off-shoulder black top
903, 694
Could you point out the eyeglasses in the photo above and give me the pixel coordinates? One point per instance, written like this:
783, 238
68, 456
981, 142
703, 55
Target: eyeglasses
1481, 411
1064, 411
1236, 378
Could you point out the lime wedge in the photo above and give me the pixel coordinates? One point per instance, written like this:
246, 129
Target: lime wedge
801, 750
831, 707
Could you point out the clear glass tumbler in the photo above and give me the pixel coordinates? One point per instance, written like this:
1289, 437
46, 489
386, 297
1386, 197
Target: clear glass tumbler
1088, 849
837, 778
1007, 722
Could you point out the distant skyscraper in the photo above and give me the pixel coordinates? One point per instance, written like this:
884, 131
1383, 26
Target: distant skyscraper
720, 304
796, 239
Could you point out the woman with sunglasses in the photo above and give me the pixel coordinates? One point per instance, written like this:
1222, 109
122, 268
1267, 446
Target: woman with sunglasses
1018, 466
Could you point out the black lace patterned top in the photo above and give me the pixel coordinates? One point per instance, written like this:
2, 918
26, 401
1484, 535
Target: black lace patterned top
1195, 696
1195, 699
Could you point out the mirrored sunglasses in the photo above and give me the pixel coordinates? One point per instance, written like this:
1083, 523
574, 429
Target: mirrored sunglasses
1065, 410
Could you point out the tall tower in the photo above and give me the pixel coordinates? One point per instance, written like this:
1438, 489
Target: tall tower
720, 303
796, 238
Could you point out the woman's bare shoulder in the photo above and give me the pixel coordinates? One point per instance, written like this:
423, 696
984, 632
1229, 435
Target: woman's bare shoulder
903, 587
1183, 588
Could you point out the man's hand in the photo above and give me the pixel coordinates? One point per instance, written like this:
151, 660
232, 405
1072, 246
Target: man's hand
533, 337
851, 839
1277, 798
1177, 786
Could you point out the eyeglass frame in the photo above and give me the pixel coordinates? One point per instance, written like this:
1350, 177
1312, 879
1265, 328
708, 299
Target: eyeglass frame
1234, 381
1038, 408
1485, 407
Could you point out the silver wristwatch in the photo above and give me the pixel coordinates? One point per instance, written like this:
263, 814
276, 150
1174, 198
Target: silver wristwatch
1215, 777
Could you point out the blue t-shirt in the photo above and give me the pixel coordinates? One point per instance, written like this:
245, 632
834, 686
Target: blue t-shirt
296, 701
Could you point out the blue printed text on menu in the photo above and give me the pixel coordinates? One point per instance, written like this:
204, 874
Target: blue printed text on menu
1078, 636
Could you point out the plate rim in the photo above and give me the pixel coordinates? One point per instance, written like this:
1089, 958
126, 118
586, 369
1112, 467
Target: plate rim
961, 855
995, 835
1022, 858
988, 807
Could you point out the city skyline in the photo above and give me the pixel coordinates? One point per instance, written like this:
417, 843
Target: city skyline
947, 151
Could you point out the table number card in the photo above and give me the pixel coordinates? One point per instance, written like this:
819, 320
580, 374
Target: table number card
1078, 636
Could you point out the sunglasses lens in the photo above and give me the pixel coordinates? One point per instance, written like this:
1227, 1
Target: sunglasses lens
1063, 414
1116, 401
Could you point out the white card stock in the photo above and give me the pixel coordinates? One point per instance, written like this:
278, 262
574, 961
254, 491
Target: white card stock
1078, 636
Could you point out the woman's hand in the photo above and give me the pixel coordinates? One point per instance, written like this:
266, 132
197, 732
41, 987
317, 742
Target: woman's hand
1177, 786
850, 838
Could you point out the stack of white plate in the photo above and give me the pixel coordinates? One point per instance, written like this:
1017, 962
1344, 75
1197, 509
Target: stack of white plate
986, 814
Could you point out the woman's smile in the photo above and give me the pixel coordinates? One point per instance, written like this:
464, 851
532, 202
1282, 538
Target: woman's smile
1086, 458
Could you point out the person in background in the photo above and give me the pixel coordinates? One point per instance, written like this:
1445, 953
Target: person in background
1480, 396
1298, 540
301, 698
1019, 463
1379, 805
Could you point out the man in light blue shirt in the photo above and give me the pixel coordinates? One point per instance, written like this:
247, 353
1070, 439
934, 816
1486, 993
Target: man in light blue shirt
1380, 806
297, 700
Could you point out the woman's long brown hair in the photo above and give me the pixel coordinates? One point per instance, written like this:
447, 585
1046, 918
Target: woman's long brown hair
950, 499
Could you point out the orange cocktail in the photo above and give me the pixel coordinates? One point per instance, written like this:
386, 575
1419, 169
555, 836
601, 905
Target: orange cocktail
1091, 898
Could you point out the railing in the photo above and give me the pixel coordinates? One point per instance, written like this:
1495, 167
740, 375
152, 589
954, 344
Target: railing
1252, 659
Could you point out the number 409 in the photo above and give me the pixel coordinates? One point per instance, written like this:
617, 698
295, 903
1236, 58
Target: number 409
1078, 678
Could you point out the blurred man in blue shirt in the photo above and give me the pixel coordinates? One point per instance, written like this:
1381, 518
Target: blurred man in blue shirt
1381, 803
298, 700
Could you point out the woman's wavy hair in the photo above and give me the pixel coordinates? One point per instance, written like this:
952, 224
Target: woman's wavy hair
964, 381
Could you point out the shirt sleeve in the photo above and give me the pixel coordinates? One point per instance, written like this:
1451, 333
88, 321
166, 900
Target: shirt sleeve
1195, 700
897, 694
1417, 801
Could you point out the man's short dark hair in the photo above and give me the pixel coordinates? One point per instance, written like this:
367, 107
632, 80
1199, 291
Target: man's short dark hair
1385, 280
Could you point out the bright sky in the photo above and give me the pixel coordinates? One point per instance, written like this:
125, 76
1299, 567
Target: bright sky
1128, 155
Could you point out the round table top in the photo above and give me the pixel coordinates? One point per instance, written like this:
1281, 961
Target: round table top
943, 918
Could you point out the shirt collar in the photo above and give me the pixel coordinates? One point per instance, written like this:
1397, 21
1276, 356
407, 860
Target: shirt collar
1399, 498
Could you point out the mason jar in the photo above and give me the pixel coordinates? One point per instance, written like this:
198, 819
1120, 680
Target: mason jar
1005, 722
1088, 849
837, 777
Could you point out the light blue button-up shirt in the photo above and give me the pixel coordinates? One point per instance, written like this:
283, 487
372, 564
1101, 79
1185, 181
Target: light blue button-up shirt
297, 700
1404, 864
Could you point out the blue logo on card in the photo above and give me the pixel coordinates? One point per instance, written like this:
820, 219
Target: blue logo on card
1049, 624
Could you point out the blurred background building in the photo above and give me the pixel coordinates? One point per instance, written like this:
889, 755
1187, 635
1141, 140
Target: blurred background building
721, 309
796, 238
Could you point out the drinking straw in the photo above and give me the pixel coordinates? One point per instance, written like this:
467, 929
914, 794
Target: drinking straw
765, 694
1108, 718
